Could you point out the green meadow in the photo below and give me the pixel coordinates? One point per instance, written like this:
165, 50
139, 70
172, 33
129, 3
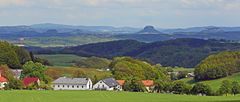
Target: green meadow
215, 84
60, 59
104, 96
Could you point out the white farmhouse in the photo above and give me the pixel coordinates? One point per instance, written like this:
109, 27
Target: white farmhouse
107, 84
64, 83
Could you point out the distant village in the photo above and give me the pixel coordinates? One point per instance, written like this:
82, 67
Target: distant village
65, 83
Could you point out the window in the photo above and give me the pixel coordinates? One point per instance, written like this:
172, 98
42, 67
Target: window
58, 85
77, 86
68, 86
63, 85
102, 86
72, 86
82, 86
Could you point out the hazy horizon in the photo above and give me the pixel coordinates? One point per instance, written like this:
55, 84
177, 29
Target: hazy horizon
122, 13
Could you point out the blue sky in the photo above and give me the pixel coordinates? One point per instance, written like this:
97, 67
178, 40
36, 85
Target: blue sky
134, 13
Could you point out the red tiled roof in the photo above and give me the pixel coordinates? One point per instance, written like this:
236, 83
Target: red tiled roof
29, 80
2, 79
148, 83
121, 82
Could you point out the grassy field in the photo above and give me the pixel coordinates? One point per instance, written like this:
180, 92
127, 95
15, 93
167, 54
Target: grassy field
65, 41
60, 59
183, 69
215, 84
97, 96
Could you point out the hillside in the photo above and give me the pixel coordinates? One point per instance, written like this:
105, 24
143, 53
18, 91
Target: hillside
179, 52
215, 84
105, 49
218, 65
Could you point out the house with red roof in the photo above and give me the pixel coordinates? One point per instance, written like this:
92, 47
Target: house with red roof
3, 81
27, 81
121, 83
149, 84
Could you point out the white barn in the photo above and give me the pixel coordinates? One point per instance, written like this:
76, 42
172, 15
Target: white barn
107, 84
64, 83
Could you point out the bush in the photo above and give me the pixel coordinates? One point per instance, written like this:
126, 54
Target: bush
180, 87
201, 89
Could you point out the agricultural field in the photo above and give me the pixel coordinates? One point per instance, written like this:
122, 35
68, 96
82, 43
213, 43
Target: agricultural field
104, 96
60, 59
183, 69
65, 40
215, 84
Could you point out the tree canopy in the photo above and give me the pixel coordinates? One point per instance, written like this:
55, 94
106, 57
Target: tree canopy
126, 68
13, 56
218, 65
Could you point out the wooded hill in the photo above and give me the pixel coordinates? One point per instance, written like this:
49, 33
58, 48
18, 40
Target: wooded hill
184, 52
13, 56
218, 65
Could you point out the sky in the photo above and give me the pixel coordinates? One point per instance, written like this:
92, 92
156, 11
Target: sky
119, 13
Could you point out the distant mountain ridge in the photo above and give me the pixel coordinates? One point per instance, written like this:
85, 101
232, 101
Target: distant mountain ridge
59, 35
149, 30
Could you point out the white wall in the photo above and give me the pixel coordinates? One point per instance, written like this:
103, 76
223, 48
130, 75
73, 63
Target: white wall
2, 84
100, 85
88, 86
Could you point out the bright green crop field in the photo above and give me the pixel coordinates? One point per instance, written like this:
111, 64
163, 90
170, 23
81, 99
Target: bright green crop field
97, 96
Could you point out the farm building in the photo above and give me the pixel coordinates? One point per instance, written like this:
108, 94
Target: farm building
107, 84
3, 81
149, 84
28, 81
121, 83
64, 83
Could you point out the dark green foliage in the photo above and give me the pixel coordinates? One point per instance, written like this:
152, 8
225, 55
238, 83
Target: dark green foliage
126, 67
202, 89
162, 86
105, 49
13, 56
235, 88
93, 62
23, 55
134, 85
180, 87
225, 88
217, 66
42, 61
8, 55
185, 52
182, 74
